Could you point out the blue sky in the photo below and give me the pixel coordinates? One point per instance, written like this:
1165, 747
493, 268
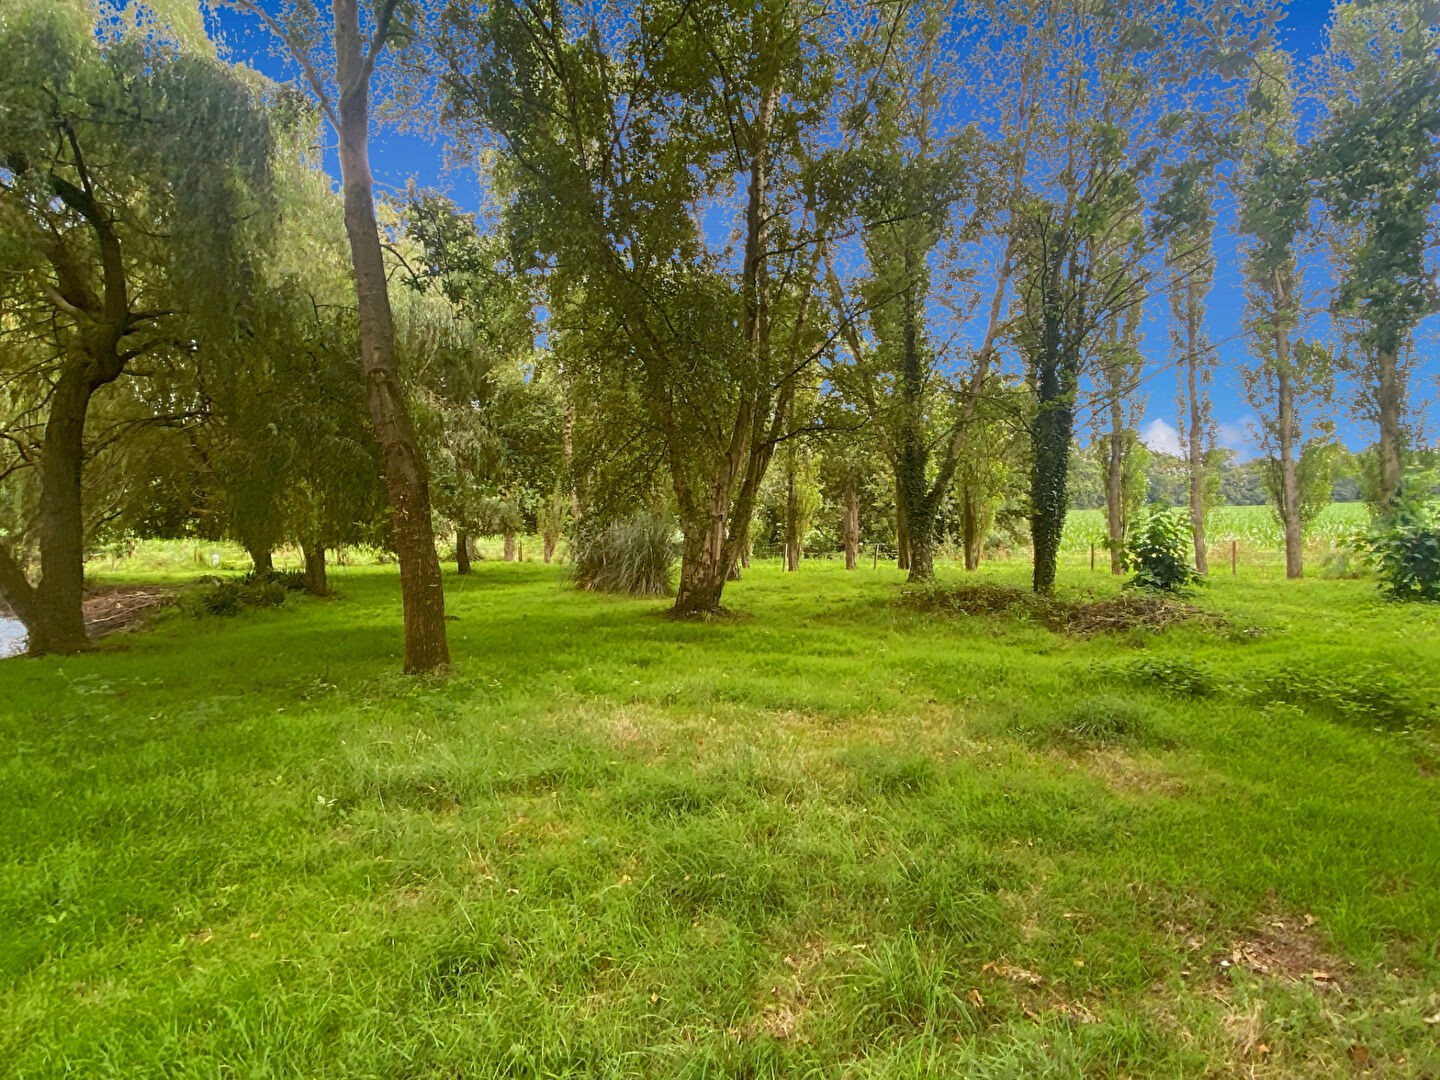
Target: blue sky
398, 157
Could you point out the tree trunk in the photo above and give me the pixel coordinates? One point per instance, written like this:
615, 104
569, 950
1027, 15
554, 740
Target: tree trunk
548, 548
509, 546
60, 594
315, 581
703, 565
407, 481
970, 528
792, 522
922, 556
1195, 455
1048, 493
852, 524
462, 552
1389, 395
902, 537
1115, 487
1289, 470
262, 559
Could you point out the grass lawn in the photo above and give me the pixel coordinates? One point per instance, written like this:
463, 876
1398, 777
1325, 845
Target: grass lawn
832, 837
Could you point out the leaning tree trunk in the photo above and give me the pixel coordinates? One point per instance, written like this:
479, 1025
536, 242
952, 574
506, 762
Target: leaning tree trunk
1389, 395
852, 524
407, 481
316, 583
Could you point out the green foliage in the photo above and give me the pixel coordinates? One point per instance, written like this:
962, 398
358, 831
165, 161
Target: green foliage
1403, 547
1159, 551
634, 555
1175, 675
1103, 720
610, 844
233, 597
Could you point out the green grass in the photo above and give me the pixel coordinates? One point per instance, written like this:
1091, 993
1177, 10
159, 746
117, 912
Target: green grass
831, 837
1254, 528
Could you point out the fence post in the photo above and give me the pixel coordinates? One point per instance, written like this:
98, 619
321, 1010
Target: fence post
1234, 557
1092, 558
874, 556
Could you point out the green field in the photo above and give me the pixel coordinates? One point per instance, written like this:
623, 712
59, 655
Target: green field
834, 836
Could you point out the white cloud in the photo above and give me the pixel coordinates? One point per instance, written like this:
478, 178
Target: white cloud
1238, 436
1162, 436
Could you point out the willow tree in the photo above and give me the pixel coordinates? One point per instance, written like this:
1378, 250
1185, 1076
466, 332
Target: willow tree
619, 127
1377, 162
127, 167
338, 58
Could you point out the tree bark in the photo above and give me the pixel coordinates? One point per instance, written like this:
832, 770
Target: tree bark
704, 566
548, 548
1195, 455
792, 522
1289, 470
1389, 396
509, 546
852, 524
1115, 486
407, 481
262, 559
462, 552
970, 524
316, 583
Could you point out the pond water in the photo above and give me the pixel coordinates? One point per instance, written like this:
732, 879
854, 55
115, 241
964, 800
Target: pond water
12, 637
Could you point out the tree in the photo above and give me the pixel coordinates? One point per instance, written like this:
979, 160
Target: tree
118, 249
1111, 85
1120, 366
1287, 373
617, 123
1377, 164
931, 206
1187, 224
338, 60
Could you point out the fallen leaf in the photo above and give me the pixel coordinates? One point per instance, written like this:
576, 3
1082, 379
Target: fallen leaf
1359, 1056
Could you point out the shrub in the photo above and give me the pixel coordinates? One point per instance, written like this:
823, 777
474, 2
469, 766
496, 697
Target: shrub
288, 580
635, 555
1159, 552
1403, 548
231, 597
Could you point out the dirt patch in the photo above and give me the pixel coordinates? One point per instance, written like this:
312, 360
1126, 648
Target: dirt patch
110, 609
1284, 948
1130, 611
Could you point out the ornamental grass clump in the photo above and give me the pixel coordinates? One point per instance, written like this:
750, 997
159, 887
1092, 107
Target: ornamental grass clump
634, 555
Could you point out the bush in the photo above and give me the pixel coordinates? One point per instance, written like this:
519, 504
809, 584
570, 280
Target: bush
635, 555
1159, 552
231, 597
1403, 548
288, 580
1174, 675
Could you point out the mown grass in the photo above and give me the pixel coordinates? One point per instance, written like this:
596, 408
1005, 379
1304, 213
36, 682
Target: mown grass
834, 836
